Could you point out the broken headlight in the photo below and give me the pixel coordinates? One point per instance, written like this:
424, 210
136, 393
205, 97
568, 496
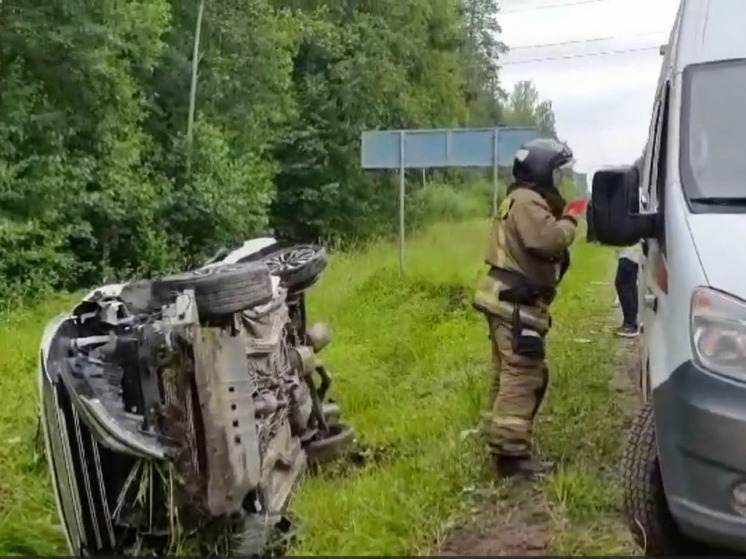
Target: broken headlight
718, 328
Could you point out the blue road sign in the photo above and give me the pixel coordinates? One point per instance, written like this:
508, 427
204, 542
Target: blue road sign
455, 147
450, 147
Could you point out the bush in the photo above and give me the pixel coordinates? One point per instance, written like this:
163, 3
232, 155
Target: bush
32, 260
442, 202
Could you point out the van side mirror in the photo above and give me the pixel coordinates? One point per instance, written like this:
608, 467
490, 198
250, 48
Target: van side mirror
615, 208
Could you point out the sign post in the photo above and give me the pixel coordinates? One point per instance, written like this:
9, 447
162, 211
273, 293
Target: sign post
402, 198
495, 184
451, 147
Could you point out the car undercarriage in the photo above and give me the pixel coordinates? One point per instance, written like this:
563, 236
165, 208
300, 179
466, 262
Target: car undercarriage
178, 413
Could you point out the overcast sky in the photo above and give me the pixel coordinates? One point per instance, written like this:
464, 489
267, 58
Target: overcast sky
602, 102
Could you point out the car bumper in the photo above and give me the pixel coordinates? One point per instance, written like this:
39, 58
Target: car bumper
701, 433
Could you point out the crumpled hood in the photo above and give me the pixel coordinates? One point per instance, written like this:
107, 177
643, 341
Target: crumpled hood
719, 240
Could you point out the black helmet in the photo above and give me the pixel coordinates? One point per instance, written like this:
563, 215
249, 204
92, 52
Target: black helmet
536, 161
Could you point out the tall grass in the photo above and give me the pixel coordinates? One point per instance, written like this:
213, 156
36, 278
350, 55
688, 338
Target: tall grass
411, 363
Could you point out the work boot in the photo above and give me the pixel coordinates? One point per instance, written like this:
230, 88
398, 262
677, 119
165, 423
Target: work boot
510, 466
627, 331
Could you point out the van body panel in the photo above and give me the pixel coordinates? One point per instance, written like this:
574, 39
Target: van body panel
700, 416
717, 238
666, 328
712, 30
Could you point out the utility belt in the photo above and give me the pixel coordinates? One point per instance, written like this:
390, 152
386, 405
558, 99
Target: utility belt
523, 292
527, 340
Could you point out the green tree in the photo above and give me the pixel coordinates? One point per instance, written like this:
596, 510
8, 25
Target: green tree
480, 55
100, 181
524, 108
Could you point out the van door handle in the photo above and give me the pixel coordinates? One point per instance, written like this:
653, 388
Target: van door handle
651, 302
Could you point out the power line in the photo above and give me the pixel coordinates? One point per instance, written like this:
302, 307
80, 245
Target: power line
550, 6
571, 56
583, 41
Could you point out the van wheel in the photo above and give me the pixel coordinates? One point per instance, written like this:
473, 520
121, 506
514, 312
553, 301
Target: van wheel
644, 500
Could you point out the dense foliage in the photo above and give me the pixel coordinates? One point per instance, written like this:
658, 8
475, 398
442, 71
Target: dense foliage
99, 179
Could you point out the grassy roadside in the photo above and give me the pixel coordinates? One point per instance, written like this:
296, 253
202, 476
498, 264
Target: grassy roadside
28, 521
588, 414
410, 364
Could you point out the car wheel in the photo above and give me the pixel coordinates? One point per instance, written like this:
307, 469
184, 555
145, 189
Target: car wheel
644, 500
219, 290
297, 266
324, 449
332, 413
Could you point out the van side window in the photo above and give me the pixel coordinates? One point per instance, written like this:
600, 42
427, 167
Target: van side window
662, 141
658, 177
649, 181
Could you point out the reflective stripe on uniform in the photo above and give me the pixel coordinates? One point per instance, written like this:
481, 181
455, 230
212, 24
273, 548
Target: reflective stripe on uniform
511, 421
504, 259
509, 435
526, 333
513, 449
487, 298
530, 316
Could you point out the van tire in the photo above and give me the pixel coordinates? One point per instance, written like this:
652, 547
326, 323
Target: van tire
644, 500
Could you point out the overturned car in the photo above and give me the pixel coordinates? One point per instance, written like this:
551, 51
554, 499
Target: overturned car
179, 413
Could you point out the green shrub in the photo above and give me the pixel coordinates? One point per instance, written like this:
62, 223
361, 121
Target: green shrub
444, 202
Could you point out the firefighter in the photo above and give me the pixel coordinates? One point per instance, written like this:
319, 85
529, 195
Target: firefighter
527, 255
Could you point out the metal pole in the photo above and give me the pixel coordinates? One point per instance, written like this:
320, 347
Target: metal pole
193, 87
401, 200
494, 173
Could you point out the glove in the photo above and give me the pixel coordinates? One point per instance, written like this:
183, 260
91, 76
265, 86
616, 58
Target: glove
576, 208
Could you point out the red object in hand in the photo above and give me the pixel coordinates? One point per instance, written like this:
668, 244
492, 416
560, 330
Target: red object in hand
577, 207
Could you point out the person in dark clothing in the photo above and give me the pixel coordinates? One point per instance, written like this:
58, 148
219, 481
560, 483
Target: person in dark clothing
590, 235
627, 270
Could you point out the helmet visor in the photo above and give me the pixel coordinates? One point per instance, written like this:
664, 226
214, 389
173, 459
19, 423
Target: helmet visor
564, 170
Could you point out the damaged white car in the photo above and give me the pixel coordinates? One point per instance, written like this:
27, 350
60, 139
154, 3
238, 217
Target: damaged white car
179, 413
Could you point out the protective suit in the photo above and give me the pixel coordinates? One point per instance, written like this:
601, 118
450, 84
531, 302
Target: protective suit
527, 256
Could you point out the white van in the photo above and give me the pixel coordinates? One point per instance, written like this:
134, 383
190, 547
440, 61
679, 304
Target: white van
685, 461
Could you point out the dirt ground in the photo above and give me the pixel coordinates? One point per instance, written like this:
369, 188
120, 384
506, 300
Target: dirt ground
520, 524
626, 381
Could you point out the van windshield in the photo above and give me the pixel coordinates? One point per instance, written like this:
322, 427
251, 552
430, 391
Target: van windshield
713, 148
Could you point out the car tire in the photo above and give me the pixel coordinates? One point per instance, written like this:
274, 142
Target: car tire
220, 290
297, 266
325, 449
644, 500
332, 413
